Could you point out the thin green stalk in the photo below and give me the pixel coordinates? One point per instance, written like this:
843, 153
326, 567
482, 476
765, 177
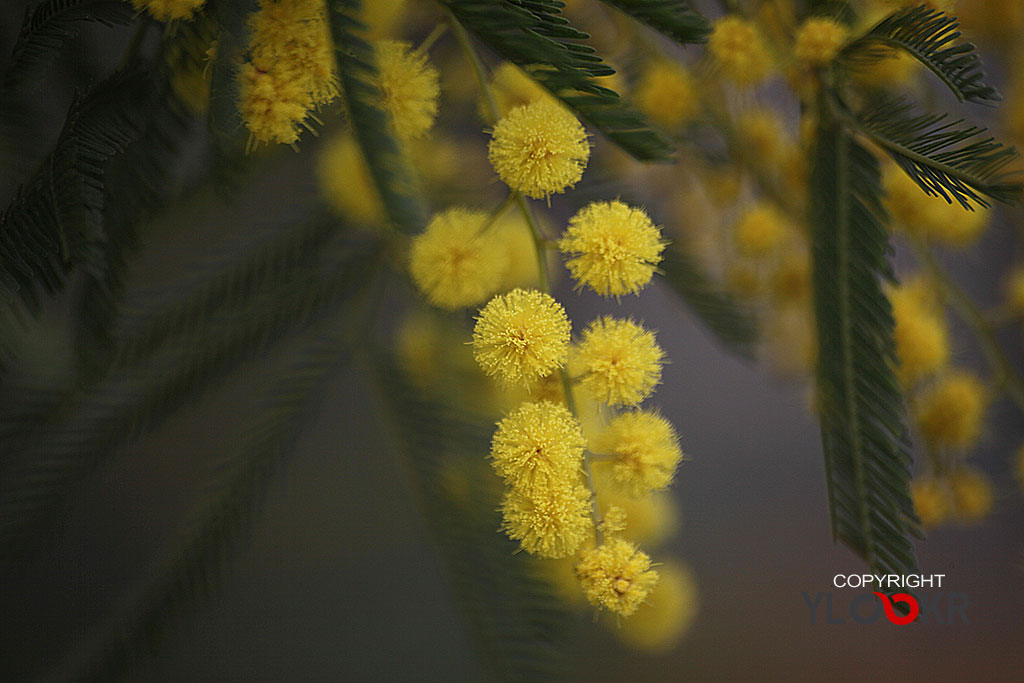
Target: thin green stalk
459, 31
1003, 372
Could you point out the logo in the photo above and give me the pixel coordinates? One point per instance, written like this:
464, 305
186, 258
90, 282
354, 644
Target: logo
890, 611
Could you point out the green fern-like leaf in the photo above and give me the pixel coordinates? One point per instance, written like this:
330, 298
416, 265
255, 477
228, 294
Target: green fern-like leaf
673, 18
51, 24
534, 36
234, 501
512, 615
931, 37
145, 176
388, 167
946, 158
55, 222
859, 401
39, 467
731, 323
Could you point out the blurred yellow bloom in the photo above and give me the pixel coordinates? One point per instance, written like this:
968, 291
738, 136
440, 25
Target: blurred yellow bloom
738, 48
667, 94
950, 412
345, 181
921, 336
645, 451
818, 40
667, 614
410, 86
972, 494
454, 262
169, 10
760, 230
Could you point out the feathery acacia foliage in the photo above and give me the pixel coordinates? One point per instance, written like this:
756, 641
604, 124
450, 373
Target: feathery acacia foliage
947, 159
674, 18
234, 498
859, 402
388, 166
929, 36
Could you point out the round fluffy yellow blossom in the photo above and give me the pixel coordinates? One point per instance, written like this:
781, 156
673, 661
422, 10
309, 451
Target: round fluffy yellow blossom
819, 39
932, 501
169, 10
667, 94
617, 362
537, 445
521, 336
455, 263
345, 181
612, 247
668, 613
539, 149
513, 88
737, 47
921, 336
273, 108
929, 217
762, 138
552, 522
1015, 290
291, 39
972, 494
617, 576
760, 230
645, 451
950, 412
410, 86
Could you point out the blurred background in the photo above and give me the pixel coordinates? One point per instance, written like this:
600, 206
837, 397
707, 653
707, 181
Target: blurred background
340, 577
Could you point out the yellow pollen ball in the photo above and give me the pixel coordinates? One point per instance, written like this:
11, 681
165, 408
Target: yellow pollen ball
668, 94
539, 149
737, 47
1015, 290
521, 336
617, 362
455, 264
272, 107
537, 445
932, 501
612, 247
972, 494
922, 340
760, 230
552, 522
617, 576
819, 40
949, 414
645, 449
411, 88
667, 614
